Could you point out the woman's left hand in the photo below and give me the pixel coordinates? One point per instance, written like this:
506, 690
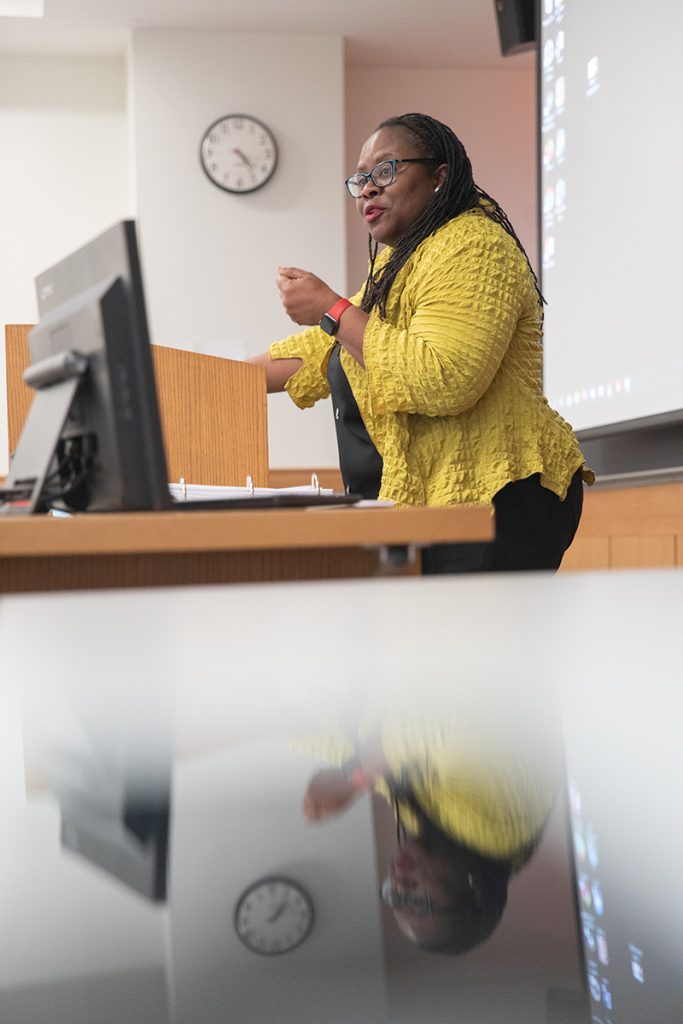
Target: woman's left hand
304, 296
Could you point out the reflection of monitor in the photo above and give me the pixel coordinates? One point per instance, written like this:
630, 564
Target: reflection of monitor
113, 790
130, 844
93, 437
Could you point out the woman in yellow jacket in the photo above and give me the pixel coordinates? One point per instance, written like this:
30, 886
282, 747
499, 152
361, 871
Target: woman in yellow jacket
435, 365
471, 791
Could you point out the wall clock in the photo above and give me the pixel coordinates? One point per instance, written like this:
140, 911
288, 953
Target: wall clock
273, 916
238, 153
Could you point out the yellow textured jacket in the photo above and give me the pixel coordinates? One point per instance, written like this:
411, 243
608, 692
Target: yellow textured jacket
484, 769
451, 393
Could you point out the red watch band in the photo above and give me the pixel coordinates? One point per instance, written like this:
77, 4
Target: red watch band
336, 311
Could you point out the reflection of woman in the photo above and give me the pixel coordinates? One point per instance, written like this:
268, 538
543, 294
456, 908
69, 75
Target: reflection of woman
435, 367
470, 798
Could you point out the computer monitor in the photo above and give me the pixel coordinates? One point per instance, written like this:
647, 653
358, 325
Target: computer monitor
93, 437
114, 794
130, 844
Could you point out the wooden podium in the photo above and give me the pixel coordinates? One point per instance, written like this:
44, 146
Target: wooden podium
214, 420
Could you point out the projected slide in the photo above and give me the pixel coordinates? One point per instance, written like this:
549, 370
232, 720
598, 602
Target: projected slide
612, 218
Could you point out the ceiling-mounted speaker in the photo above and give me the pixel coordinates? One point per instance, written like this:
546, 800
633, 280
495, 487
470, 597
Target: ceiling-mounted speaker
516, 25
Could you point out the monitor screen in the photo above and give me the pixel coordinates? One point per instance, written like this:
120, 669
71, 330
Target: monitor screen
93, 438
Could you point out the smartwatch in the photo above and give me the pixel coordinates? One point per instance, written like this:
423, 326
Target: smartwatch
330, 321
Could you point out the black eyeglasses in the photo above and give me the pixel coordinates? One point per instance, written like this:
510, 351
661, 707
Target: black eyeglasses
382, 174
420, 906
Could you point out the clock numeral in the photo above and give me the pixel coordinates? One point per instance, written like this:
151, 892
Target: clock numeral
238, 123
268, 154
209, 151
213, 138
225, 126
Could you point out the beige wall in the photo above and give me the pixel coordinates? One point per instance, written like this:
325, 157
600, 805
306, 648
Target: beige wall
493, 113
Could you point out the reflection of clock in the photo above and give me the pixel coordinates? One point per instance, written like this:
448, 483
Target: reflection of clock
238, 153
273, 916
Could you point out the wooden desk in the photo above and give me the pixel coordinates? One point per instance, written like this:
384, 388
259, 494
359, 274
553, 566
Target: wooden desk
175, 548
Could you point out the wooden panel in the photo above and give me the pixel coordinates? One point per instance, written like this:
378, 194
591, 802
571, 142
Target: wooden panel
214, 417
25, 575
330, 477
643, 552
587, 553
213, 411
633, 511
19, 395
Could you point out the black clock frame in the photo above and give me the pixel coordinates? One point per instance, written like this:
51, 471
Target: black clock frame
239, 191
267, 879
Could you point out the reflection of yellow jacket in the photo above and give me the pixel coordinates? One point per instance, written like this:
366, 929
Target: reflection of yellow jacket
451, 393
482, 771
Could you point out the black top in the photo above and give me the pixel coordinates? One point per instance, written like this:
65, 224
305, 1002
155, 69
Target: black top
359, 461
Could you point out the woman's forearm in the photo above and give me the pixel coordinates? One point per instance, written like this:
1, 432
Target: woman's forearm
278, 371
351, 332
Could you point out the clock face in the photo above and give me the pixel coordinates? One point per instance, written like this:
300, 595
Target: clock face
273, 916
238, 153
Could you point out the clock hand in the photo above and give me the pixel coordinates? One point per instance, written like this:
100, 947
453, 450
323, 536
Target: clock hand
277, 913
245, 159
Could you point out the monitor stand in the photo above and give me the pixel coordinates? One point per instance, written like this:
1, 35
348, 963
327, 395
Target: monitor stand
56, 381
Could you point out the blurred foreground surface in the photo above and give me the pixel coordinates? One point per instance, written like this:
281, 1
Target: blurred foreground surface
148, 778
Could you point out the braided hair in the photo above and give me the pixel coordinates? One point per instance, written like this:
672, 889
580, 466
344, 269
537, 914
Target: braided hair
472, 919
459, 193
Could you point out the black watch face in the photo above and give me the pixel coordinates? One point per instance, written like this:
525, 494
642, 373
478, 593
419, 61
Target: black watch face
329, 324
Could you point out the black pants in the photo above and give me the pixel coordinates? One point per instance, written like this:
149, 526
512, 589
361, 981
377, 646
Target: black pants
533, 531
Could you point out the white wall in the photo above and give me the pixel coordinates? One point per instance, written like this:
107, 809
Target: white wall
237, 819
492, 111
210, 257
63, 174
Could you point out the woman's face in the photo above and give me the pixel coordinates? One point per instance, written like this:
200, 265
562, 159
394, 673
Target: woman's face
388, 212
419, 873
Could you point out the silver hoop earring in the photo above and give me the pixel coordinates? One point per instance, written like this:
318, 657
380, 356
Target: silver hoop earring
437, 188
